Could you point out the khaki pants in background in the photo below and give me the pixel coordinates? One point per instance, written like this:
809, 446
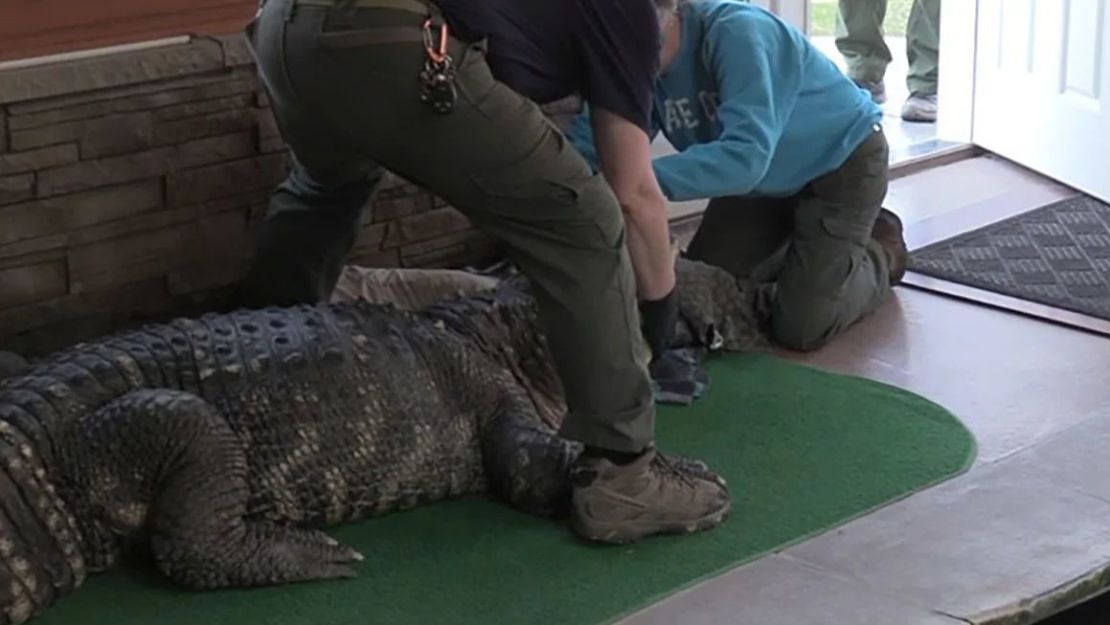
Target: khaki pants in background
859, 37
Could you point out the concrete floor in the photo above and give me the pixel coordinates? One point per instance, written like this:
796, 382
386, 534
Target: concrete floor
1023, 534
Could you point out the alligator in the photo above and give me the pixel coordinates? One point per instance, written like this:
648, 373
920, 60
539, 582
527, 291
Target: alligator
225, 444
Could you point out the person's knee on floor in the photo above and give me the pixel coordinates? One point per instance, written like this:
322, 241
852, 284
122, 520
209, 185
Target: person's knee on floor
476, 155
804, 329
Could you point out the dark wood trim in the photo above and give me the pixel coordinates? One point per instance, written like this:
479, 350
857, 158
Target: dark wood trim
36, 28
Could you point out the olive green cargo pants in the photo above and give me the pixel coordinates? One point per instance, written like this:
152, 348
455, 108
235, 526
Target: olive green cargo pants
859, 37
344, 90
811, 254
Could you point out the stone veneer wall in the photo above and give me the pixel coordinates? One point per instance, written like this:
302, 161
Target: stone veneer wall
131, 186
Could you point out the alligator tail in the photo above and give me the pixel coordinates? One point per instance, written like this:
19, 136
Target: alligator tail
40, 557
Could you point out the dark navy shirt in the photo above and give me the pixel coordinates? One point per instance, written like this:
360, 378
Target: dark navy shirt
606, 51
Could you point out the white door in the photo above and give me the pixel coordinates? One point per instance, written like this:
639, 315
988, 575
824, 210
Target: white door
1042, 87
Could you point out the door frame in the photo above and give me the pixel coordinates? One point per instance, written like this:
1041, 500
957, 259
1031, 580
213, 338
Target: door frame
959, 23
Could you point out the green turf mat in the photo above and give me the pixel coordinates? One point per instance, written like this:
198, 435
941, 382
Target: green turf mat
803, 450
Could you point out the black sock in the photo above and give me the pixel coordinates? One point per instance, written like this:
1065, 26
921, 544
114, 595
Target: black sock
616, 457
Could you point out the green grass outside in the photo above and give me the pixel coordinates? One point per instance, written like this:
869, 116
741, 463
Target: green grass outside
823, 17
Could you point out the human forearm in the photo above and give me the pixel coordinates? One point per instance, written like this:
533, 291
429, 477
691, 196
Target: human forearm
716, 169
649, 244
624, 153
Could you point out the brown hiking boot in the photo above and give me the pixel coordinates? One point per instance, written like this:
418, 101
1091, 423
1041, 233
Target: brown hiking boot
887, 232
653, 494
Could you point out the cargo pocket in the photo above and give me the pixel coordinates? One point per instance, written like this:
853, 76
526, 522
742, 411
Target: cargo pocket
552, 191
838, 254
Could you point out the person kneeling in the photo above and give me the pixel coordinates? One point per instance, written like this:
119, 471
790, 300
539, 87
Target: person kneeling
791, 154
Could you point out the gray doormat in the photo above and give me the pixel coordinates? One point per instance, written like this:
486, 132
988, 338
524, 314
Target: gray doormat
1057, 255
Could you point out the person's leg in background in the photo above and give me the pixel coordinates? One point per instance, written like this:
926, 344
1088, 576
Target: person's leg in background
859, 37
313, 216
842, 258
923, 54
309, 229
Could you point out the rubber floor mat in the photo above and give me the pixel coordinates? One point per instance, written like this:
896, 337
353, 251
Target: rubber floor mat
1057, 255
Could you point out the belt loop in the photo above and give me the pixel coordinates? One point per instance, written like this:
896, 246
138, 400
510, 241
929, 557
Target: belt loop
290, 8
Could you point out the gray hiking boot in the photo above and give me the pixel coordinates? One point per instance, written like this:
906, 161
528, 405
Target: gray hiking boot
920, 108
888, 233
876, 89
653, 494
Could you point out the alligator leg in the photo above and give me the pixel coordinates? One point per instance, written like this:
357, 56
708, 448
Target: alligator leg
526, 462
168, 454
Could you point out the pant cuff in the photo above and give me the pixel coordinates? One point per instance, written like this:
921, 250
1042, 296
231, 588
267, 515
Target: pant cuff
867, 70
631, 431
921, 87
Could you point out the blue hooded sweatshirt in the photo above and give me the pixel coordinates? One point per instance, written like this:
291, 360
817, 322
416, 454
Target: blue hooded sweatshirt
752, 107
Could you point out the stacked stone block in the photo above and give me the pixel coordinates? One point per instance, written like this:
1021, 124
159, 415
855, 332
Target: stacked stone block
132, 186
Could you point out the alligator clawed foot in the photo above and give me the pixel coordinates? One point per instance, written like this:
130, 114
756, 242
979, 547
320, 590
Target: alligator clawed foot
311, 555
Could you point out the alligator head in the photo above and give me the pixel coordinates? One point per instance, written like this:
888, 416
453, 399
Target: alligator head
717, 311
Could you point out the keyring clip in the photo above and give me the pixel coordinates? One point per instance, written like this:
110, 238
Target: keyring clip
437, 54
